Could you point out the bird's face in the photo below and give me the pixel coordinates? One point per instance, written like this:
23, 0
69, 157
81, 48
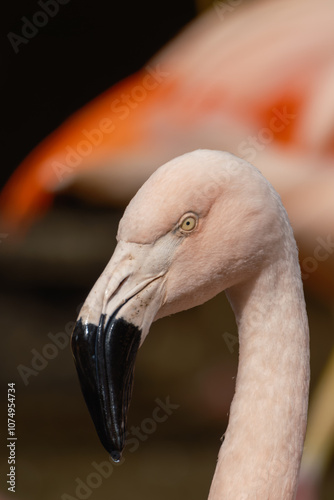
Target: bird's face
190, 232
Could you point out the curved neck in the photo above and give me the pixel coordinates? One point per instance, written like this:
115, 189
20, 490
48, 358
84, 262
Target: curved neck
261, 453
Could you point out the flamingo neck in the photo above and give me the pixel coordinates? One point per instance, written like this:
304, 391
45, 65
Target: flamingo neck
261, 453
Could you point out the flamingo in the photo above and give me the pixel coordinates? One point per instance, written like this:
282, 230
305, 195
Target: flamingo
215, 85
205, 222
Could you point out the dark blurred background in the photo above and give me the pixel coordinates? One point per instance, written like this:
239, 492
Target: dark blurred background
190, 359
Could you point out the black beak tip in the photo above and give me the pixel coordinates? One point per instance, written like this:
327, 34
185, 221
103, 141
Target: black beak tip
110, 443
116, 456
104, 357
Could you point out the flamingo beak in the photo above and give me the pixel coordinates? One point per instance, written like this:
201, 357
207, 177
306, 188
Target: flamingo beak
105, 356
111, 326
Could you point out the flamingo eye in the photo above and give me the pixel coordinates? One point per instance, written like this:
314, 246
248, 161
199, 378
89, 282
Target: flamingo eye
188, 223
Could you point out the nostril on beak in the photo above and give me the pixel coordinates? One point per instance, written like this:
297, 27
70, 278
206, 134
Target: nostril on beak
118, 288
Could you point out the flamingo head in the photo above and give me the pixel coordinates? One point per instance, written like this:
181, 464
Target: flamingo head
196, 227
